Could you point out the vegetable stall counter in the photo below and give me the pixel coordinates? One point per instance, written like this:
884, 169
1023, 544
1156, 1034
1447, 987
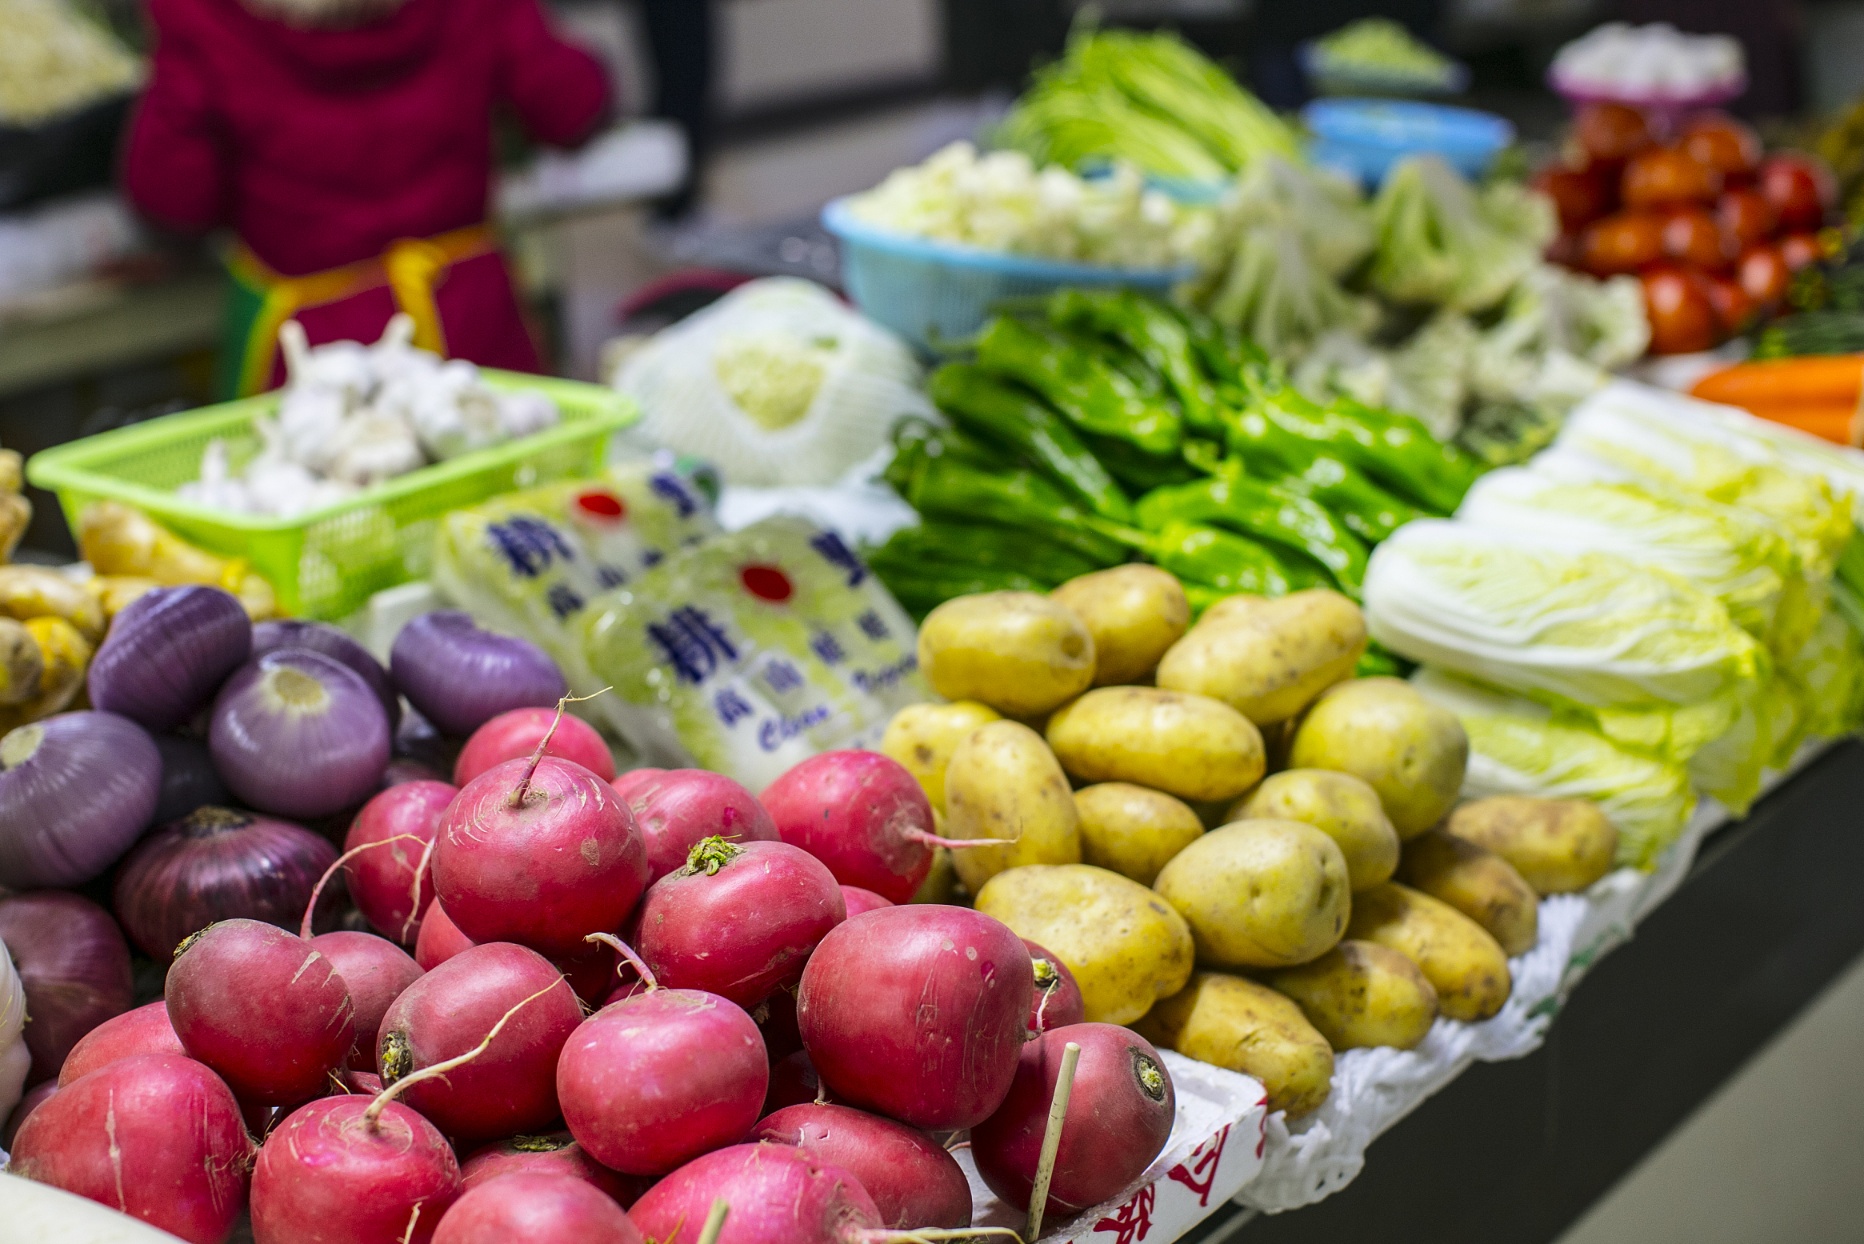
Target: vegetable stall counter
1767, 917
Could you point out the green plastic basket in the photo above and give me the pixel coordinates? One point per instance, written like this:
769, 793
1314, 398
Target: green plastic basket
325, 563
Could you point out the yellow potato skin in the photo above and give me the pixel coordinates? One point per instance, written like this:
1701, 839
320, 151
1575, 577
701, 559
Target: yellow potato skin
1380, 730
1190, 746
1460, 960
1559, 846
1260, 894
1003, 782
1360, 994
1268, 659
1019, 652
941, 884
1134, 612
1249, 1028
1126, 947
922, 736
1477, 882
1340, 806
1131, 830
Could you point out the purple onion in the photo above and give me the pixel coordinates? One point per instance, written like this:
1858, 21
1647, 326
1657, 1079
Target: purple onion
75, 966
167, 652
460, 677
75, 791
188, 778
217, 864
296, 733
332, 642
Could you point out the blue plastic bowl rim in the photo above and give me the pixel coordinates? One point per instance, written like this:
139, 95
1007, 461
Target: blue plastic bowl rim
1465, 126
838, 220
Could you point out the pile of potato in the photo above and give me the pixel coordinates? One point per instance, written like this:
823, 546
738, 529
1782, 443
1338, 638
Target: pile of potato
1204, 822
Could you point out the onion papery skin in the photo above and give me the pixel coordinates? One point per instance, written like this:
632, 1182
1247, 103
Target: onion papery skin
332, 642
459, 677
188, 778
299, 734
217, 864
75, 791
167, 652
75, 966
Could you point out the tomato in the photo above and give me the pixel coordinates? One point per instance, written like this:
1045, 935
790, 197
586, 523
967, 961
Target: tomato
1763, 273
1745, 216
1611, 133
1666, 175
1722, 143
1580, 196
1691, 236
1800, 188
1624, 242
1800, 250
1682, 313
1733, 308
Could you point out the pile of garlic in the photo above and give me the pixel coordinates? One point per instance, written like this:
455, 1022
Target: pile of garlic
352, 415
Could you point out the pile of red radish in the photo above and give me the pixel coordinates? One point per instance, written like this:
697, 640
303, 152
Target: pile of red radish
617, 986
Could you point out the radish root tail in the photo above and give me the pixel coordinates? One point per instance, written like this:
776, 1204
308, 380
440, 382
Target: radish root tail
388, 1094
523, 787
714, 1222
1051, 1138
956, 844
420, 874
317, 891
626, 952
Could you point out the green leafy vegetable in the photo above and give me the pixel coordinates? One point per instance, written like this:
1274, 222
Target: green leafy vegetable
1443, 242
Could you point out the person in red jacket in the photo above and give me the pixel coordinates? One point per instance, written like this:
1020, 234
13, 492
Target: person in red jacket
348, 143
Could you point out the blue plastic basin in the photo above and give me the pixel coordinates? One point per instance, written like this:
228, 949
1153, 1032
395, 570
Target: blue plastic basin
1365, 137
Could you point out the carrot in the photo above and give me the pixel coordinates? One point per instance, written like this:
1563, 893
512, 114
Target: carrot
1832, 421
1808, 380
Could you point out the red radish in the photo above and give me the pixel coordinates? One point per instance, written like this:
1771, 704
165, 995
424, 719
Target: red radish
329, 1175
738, 921
539, 1209
918, 1013
263, 1008
365, 1083
155, 1136
512, 1086
1118, 1120
145, 1030
591, 974
514, 735
376, 972
863, 815
554, 1154
913, 1181
1058, 999
776, 1019
859, 900
659, 1078
793, 1081
777, 1195
540, 852
391, 885
440, 939
34, 1098
677, 809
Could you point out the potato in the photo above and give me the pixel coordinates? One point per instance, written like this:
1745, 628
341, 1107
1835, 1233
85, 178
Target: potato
1242, 1026
1190, 746
1019, 652
1131, 830
1126, 947
1559, 846
1004, 783
941, 884
1134, 613
1460, 960
1268, 659
1380, 730
1260, 894
922, 736
1361, 994
1340, 806
1477, 882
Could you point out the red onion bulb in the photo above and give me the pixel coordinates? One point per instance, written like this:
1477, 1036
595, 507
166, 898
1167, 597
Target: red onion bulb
74, 965
75, 791
167, 652
217, 864
460, 677
296, 733
332, 642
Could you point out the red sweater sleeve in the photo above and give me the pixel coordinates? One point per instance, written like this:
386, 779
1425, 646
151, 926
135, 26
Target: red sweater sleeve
559, 91
175, 162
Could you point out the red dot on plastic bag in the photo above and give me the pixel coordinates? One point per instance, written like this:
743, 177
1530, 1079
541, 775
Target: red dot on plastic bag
767, 583
601, 505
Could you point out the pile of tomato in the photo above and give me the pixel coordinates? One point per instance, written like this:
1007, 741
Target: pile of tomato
1714, 229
